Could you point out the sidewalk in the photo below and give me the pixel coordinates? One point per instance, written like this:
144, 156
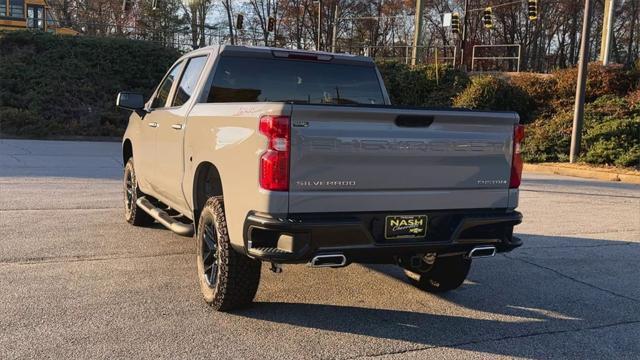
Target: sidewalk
585, 171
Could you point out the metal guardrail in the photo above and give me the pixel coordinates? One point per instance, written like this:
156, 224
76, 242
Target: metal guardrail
474, 57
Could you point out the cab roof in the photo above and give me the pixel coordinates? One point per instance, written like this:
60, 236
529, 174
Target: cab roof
273, 52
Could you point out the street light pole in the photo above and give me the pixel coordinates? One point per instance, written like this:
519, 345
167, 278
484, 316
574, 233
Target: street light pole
578, 113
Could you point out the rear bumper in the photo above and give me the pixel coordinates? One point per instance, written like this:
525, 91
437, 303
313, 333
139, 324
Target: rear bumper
360, 236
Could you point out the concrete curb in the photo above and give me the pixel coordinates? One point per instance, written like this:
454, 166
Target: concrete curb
64, 138
584, 171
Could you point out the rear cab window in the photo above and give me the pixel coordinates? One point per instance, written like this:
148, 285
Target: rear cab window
245, 79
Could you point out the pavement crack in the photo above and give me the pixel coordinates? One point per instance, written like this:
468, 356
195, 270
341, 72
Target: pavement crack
117, 160
610, 292
589, 233
581, 193
17, 159
27, 151
61, 209
606, 232
80, 258
578, 246
496, 339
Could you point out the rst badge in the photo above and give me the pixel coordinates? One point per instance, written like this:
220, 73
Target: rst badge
405, 226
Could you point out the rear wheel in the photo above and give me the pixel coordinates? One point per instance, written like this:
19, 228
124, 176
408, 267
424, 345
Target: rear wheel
445, 274
228, 280
132, 213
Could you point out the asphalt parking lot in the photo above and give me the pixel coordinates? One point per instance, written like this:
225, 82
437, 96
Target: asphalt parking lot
76, 281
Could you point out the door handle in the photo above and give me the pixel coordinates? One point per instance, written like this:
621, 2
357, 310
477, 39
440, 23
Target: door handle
413, 120
153, 124
177, 126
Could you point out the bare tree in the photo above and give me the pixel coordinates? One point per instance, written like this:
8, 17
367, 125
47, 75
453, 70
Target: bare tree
228, 7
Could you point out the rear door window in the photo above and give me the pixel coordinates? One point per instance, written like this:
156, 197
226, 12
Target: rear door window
189, 80
242, 79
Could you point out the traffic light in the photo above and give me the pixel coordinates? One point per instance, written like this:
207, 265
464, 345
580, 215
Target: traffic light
239, 21
271, 24
455, 23
532, 7
487, 18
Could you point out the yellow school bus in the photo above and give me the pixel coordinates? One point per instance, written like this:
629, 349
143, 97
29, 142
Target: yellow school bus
30, 14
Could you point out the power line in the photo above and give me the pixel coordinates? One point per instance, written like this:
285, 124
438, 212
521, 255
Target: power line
498, 6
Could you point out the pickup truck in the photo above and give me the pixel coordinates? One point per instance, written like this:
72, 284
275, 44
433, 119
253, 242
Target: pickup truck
290, 157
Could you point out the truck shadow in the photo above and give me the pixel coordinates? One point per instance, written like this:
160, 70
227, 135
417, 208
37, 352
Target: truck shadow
506, 299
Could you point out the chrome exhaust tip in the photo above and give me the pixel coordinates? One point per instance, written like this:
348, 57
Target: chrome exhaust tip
481, 252
328, 260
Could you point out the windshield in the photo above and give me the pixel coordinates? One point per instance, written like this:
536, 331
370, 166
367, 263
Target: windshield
241, 79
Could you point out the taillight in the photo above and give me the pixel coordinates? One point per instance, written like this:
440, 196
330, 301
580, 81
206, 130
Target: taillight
516, 161
274, 163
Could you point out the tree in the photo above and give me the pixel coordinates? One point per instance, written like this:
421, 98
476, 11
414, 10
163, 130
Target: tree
379, 28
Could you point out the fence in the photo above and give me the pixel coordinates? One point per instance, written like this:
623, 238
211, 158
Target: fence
500, 67
403, 53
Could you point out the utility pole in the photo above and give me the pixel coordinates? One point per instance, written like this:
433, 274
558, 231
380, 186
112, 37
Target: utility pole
417, 34
464, 34
578, 113
318, 48
335, 27
607, 31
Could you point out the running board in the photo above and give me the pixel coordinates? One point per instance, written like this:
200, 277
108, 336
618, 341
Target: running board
163, 218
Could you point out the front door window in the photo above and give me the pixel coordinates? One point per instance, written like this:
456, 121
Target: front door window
35, 17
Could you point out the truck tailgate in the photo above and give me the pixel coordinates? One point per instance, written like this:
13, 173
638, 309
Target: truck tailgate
383, 158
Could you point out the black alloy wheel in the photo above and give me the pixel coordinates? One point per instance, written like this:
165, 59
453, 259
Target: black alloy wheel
210, 259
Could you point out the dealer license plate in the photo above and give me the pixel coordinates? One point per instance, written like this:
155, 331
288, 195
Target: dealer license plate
405, 226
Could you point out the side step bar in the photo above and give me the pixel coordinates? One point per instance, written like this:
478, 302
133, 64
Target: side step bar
163, 218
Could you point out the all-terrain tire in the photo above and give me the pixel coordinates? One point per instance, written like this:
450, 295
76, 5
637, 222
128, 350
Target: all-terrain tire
232, 280
447, 273
132, 213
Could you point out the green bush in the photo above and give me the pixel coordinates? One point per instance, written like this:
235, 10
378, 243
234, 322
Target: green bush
403, 85
492, 93
634, 99
418, 86
23, 122
635, 75
548, 139
601, 80
62, 85
614, 142
611, 134
541, 89
451, 82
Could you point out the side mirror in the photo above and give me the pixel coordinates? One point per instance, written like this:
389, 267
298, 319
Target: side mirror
131, 101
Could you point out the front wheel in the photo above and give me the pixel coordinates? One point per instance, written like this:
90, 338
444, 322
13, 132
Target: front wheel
132, 213
228, 280
447, 273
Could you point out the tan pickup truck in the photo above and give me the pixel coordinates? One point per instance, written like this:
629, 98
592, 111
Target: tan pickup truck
291, 157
